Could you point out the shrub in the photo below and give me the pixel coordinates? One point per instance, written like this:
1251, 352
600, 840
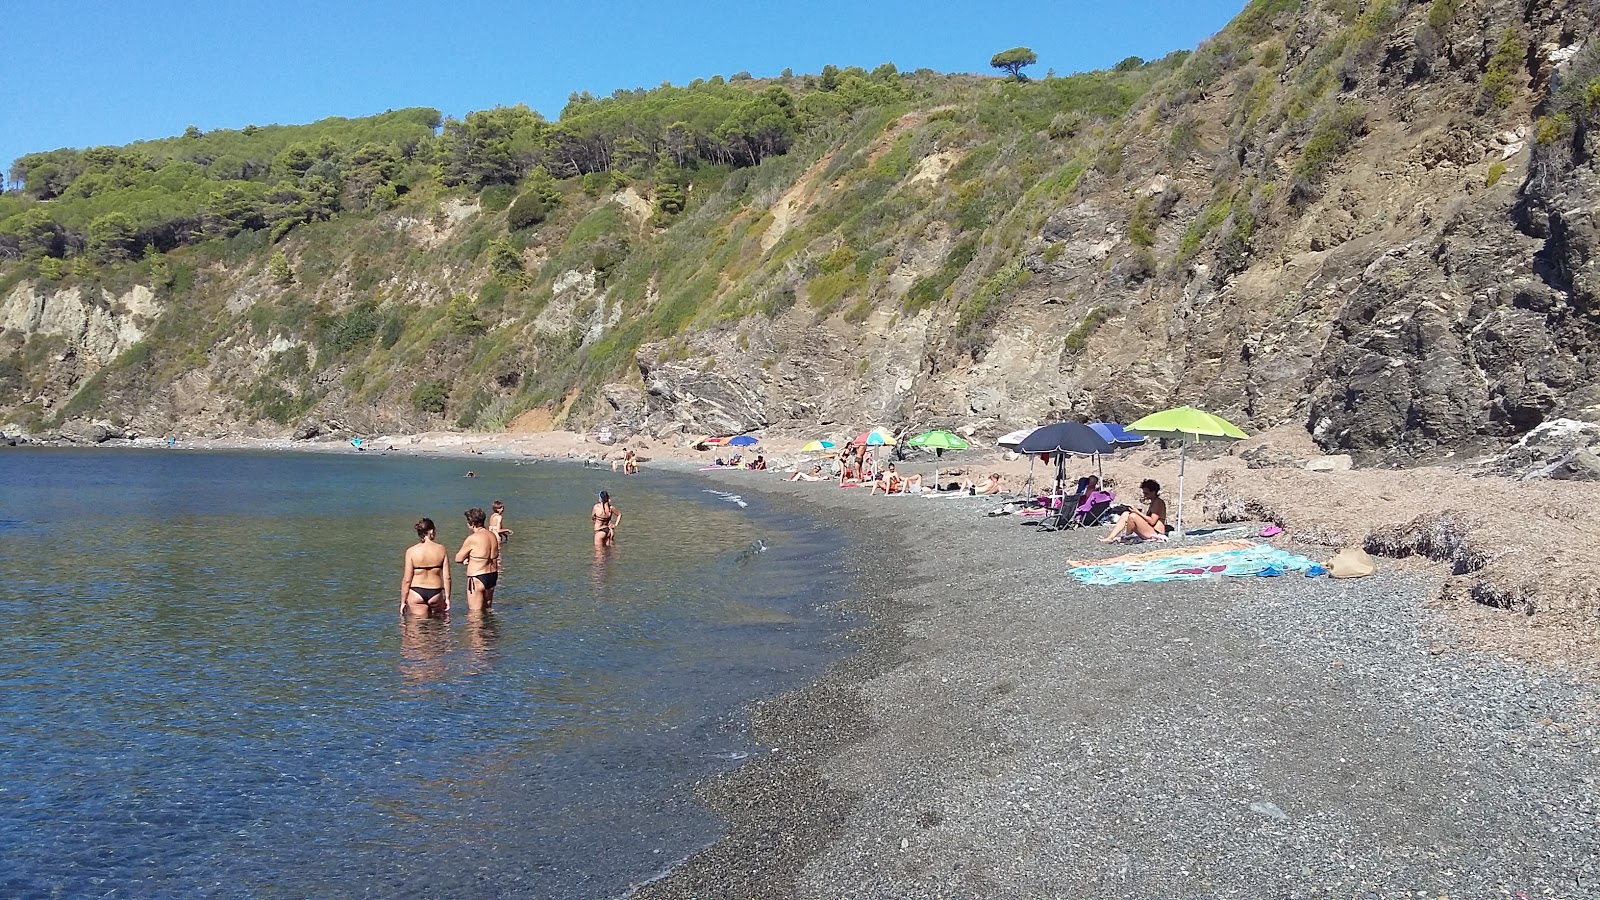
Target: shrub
931, 288
1552, 130
1209, 218
461, 315
1442, 12
504, 259
1499, 88
429, 397
528, 210
1336, 130
352, 328
279, 271
497, 197
1077, 340
1497, 170
1141, 227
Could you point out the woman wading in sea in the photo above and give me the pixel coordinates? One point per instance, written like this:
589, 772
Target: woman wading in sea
481, 554
606, 518
425, 578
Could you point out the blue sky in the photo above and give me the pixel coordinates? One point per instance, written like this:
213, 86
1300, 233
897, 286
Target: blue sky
87, 73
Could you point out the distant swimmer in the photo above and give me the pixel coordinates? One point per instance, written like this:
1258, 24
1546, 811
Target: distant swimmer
497, 522
481, 554
606, 518
425, 578
470, 475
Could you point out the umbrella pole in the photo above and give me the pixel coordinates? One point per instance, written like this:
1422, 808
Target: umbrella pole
1183, 455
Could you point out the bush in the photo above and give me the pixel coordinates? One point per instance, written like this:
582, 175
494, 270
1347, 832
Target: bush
1497, 171
1141, 228
497, 197
528, 210
429, 397
1499, 88
352, 328
1209, 218
1335, 132
931, 288
504, 259
1077, 340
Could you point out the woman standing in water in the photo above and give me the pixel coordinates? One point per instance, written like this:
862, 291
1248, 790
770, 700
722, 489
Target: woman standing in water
425, 576
606, 518
481, 554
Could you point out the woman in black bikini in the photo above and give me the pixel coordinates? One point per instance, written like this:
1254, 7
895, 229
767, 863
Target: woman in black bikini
481, 554
606, 518
425, 577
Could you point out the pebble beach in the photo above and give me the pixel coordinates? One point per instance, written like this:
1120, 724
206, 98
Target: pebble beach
1006, 732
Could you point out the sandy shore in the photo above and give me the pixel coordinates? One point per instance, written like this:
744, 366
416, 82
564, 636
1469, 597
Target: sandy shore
1008, 733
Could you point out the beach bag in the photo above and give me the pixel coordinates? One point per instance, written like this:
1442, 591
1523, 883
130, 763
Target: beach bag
1351, 562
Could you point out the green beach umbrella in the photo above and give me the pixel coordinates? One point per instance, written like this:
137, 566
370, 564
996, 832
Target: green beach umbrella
938, 440
1185, 424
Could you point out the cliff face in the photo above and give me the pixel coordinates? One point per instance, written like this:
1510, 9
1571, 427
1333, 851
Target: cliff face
1373, 221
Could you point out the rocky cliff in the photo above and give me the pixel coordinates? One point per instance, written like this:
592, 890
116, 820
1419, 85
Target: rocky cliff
1371, 220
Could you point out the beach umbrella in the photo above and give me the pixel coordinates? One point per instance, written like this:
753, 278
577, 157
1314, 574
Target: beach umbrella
1010, 441
817, 447
877, 437
1063, 439
743, 440
937, 441
1185, 424
1117, 434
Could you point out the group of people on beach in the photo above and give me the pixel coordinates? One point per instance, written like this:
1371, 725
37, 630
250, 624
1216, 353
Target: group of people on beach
425, 589
854, 466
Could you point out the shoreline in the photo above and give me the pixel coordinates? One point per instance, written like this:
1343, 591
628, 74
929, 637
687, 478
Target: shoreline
971, 744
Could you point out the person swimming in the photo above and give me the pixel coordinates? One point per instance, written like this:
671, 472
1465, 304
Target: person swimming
425, 578
497, 517
481, 554
606, 518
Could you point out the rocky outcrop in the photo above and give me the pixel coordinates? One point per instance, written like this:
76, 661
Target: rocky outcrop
1563, 449
682, 396
94, 323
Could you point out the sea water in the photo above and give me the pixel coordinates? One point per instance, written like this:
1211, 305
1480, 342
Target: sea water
207, 689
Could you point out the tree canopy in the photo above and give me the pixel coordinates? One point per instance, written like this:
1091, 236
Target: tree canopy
1014, 61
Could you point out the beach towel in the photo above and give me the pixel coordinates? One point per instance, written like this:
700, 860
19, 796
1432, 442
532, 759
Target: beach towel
1185, 564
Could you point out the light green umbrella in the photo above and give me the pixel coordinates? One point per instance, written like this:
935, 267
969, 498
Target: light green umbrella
1185, 424
938, 440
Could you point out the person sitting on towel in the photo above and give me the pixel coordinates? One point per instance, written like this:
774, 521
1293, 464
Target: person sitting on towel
1147, 525
887, 481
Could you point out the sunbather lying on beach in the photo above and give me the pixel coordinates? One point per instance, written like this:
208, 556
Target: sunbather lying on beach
814, 475
1147, 525
994, 484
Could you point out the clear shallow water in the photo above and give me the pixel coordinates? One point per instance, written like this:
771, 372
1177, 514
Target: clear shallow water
206, 687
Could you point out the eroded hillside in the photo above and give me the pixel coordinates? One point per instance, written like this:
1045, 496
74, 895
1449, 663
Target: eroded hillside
1371, 220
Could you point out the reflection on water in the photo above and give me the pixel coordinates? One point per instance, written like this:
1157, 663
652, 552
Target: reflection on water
203, 698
